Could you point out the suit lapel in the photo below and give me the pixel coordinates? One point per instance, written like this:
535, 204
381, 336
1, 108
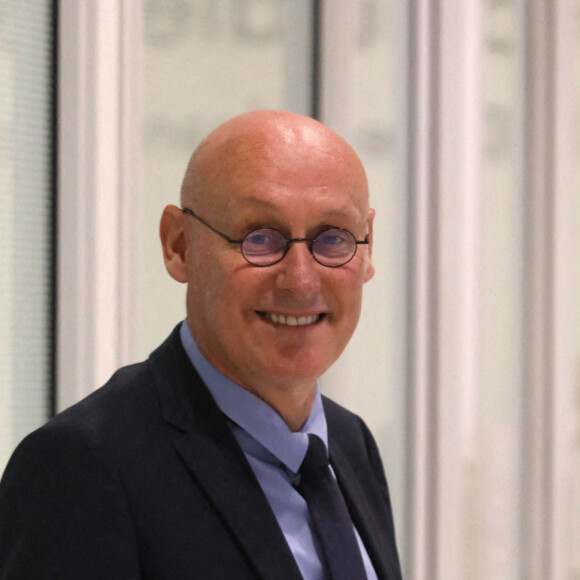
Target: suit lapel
217, 463
367, 520
234, 491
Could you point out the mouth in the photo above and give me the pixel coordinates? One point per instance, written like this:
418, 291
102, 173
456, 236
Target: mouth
286, 320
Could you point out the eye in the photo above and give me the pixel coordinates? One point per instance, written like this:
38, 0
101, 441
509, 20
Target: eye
334, 243
263, 242
257, 239
331, 238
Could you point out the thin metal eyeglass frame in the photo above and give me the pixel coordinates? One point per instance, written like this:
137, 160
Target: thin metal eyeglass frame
309, 242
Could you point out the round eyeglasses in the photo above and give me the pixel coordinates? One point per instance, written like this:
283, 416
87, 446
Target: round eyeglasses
333, 247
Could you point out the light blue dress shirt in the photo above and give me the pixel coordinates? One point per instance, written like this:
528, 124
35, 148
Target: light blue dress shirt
275, 454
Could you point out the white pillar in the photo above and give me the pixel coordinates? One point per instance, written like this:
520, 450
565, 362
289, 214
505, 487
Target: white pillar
99, 141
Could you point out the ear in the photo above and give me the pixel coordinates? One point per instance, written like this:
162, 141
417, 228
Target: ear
370, 272
174, 242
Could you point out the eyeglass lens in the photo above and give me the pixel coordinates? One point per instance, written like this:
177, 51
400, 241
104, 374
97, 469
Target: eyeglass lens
264, 247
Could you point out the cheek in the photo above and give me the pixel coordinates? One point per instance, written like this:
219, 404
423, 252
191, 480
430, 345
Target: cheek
346, 286
219, 289
204, 287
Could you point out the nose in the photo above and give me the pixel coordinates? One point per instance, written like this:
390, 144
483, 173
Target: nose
299, 272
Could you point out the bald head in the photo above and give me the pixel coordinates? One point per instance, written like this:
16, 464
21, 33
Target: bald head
273, 327
268, 138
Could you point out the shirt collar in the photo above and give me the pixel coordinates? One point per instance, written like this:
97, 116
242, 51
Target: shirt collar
255, 416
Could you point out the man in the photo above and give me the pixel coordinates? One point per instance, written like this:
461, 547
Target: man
189, 465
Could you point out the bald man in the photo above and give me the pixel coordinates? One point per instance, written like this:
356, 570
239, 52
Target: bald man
186, 465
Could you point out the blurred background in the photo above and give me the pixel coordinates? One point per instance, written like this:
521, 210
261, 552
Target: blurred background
466, 114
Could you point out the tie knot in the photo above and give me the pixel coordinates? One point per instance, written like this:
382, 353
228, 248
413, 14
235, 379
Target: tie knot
316, 456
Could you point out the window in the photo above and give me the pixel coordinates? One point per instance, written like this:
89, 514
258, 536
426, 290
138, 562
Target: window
26, 219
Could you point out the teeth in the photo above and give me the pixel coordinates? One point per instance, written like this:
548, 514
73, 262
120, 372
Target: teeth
292, 320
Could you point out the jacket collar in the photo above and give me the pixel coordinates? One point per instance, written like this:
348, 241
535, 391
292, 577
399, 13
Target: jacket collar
374, 526
215, 460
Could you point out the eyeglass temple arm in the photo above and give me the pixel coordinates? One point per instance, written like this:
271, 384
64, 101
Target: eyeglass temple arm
221, 234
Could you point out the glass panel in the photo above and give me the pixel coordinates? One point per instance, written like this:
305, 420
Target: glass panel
371, 372
26, 204
491, 528
205, 62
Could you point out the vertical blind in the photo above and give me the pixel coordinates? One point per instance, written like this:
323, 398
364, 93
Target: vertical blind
26, 218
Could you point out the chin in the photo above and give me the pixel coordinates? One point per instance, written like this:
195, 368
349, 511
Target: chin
299, 372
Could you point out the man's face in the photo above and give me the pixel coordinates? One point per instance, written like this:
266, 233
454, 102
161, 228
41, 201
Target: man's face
299, 187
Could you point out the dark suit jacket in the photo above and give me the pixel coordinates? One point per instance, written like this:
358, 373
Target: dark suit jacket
144, 479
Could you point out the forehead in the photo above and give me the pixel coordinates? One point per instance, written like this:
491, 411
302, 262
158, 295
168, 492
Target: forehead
328, 208
294, 172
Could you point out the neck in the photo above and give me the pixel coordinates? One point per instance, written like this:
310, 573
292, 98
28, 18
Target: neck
293, 404
291, 399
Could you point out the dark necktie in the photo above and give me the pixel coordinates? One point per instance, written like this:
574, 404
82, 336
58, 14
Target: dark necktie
330, 514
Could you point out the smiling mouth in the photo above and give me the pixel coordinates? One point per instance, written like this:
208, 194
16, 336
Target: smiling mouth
291, 320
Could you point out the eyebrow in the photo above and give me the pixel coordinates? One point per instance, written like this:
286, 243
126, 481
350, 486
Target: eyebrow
258, 201
330, 213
